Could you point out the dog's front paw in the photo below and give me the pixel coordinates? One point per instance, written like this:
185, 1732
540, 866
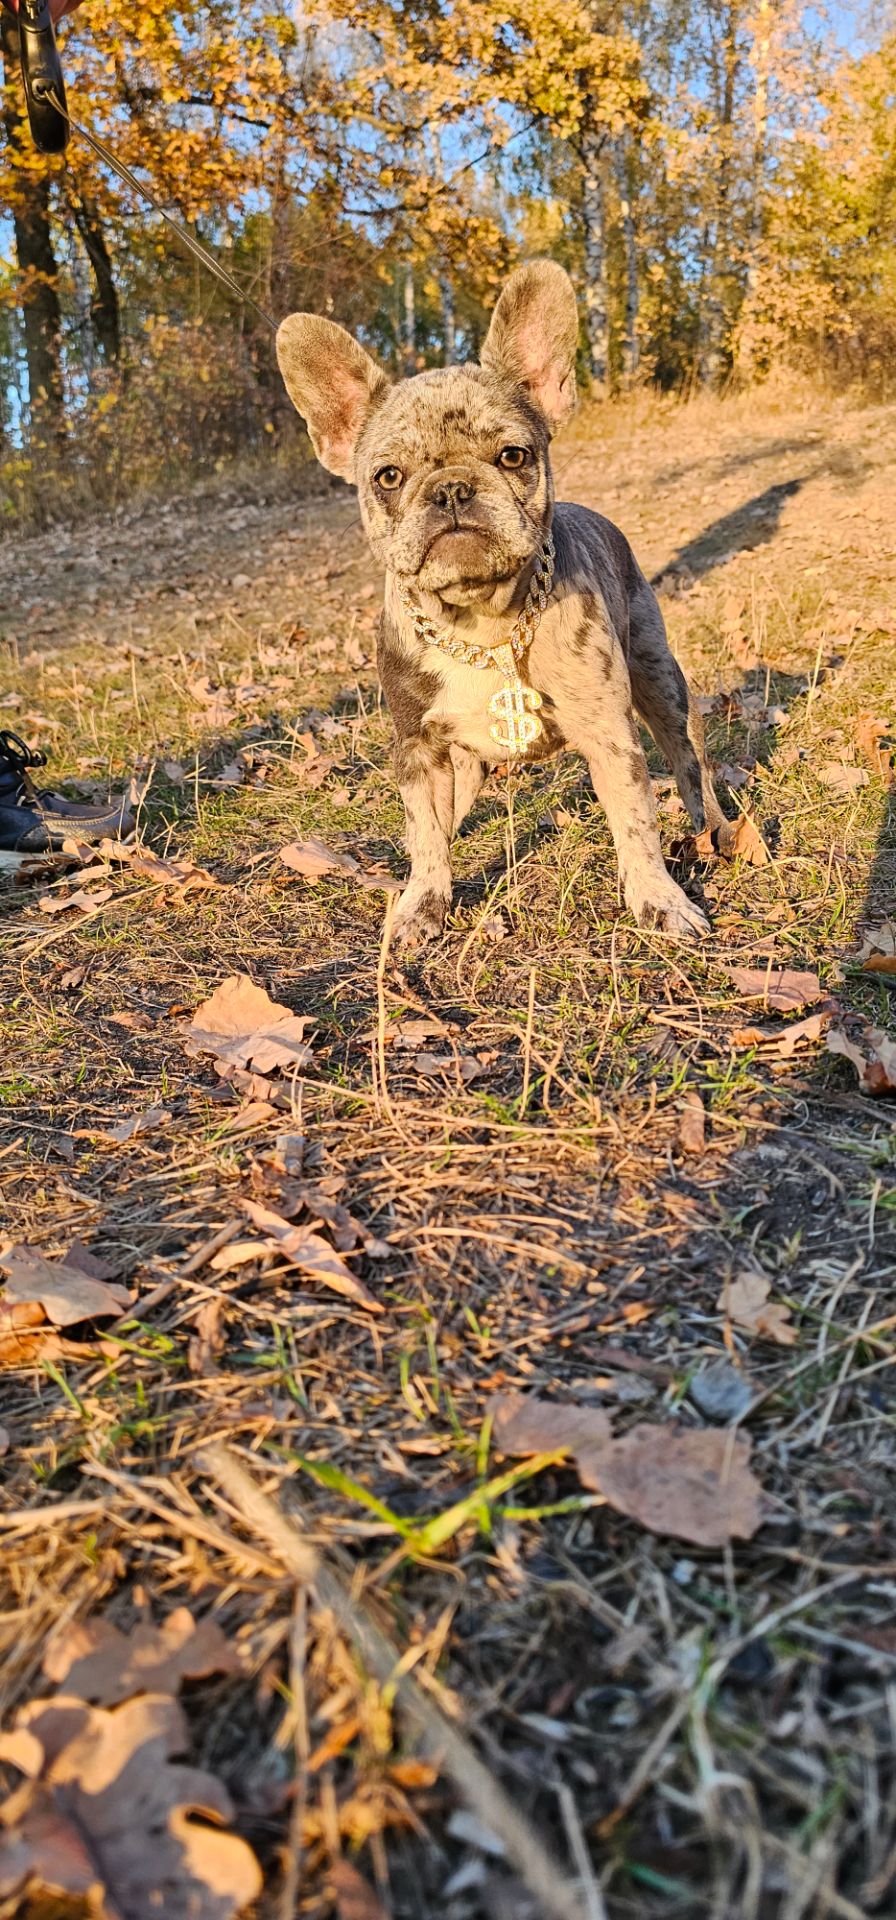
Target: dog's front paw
419, 918
664, 904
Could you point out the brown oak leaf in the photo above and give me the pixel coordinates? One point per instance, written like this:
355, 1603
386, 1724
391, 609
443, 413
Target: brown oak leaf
522, 1423
96, 1661
696, 1486
75, 1830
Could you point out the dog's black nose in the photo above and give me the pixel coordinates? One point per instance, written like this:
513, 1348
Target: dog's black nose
451, 494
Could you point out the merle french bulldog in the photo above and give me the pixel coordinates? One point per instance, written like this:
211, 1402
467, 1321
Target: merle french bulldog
512, 627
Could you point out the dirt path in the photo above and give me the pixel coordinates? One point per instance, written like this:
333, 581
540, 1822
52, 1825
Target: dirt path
577, 1156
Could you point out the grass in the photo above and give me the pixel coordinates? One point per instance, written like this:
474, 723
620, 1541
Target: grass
558, 1242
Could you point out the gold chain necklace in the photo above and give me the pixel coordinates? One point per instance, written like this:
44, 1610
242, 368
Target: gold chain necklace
515, 705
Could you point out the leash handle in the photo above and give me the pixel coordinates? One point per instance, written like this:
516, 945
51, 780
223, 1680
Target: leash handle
41, 75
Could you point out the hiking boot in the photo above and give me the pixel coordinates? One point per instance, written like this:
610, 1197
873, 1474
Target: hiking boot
34, 820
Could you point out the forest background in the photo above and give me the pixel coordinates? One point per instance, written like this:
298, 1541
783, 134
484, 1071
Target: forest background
719, 176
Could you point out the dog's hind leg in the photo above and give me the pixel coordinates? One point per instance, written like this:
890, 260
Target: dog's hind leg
660, 693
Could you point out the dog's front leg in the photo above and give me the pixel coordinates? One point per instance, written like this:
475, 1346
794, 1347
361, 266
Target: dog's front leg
426, 782
598, 721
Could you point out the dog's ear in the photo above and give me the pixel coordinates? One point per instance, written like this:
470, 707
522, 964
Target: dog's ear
533, 337
332, 383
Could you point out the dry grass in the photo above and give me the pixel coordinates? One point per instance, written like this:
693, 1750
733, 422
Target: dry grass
695, 1733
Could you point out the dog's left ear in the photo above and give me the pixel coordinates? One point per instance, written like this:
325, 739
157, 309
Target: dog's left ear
533, 337
332, 383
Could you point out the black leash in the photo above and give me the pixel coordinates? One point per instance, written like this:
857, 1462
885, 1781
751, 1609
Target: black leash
51, 122
187, 238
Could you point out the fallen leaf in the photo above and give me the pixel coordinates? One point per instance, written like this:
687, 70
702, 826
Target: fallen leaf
522, 1423
84, 902
241, 1025
181, 875
465, 1064
355, 1900
877, 953
63, 1289
870, 731
841, 778
107, 1818
784, 1041
746, 1303
311, 1253
145, 1122
873, 1055
743, 841
96, 1661
696, 1486
240, 1253
691, 1135
777, 987
218, 709
313, 860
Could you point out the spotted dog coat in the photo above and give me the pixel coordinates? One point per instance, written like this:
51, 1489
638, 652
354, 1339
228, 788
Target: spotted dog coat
456, 493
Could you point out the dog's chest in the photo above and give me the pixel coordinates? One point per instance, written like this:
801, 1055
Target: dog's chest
475, 706
462, 702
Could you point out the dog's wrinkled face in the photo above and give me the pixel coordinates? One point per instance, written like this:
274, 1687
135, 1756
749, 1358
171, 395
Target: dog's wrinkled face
454, 482
451, 466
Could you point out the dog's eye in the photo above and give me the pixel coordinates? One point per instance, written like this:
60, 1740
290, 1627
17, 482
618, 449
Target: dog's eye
389, 478
513, 459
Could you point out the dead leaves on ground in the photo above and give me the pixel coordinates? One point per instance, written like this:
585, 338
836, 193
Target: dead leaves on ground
72, 1828
695, 1485
66, 1291
99, 1663
877, 953
780, 988
872, 1053
314, 860
873, 737
243, 1027
746, 1303
305, 1250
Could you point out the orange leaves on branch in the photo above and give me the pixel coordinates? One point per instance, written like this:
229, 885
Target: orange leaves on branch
105, 1815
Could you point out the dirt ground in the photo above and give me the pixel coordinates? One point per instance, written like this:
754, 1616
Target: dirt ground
548, 1155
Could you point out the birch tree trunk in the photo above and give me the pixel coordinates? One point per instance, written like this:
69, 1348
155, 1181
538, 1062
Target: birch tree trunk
630, 342
41, 313
409, 321
712, 353
597, 316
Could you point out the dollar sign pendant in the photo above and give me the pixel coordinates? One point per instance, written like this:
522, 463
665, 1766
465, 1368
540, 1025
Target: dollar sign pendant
515, 707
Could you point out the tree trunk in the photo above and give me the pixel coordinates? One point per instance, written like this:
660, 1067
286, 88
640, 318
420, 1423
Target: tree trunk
449, 330
104, 313
712, 357
630, 342
409, 328
597, 317
36, 261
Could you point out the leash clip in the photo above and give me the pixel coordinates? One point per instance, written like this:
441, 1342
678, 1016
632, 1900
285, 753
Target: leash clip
41, 75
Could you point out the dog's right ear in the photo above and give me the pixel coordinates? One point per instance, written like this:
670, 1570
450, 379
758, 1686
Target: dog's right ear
332, 383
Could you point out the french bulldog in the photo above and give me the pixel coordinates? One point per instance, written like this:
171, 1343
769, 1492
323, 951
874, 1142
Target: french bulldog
454, 480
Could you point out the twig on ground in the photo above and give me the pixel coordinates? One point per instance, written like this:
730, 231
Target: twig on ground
440, 1741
